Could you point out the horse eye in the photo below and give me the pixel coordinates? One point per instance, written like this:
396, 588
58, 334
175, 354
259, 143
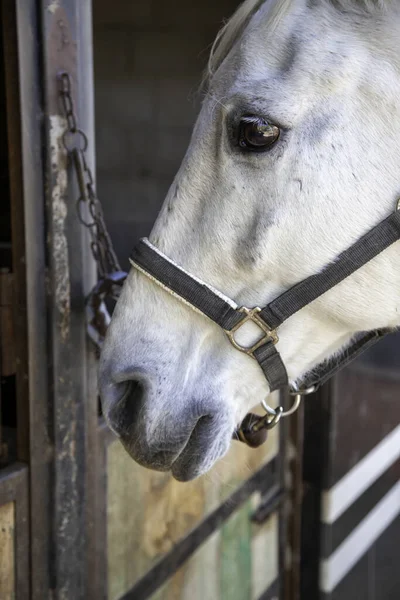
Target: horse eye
257, 134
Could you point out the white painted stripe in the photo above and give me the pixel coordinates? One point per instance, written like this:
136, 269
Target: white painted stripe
342, 495
334, 568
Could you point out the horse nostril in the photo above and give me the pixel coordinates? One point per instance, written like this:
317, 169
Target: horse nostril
123, 414
135, 390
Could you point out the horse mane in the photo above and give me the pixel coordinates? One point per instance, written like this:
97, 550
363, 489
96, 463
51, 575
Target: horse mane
235, 26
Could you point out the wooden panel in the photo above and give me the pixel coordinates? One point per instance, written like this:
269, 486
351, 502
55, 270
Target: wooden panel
264, 554
199, 578
14, 532
239, 562
39, 415
7, 559
149, 512
235, 567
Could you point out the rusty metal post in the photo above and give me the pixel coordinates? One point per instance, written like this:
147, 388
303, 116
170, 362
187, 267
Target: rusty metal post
294, 476
67, 46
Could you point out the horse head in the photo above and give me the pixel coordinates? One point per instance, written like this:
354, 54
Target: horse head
294, 156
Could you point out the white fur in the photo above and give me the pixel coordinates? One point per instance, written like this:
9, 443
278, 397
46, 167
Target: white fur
252, 225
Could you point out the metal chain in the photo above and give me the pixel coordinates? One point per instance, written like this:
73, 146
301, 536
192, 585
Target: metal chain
111, 278
76, 143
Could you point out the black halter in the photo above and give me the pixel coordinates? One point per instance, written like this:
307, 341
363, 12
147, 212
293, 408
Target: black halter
224, 311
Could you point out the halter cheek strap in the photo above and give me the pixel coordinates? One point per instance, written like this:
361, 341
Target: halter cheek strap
212, 303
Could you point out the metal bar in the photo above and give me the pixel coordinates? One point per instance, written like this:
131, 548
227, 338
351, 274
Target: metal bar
295, 437
283, 511
66, 27
93, 519
317, 432
269, 504
272, 593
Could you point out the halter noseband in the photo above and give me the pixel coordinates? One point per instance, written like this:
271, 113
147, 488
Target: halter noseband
210, 302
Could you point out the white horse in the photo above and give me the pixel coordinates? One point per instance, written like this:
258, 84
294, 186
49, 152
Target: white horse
294, 156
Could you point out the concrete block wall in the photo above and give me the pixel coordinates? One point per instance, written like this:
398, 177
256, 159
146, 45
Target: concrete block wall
149, 57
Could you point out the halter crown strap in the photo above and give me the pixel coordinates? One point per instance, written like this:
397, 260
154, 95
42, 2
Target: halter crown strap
371, 244
375, 241
225, 312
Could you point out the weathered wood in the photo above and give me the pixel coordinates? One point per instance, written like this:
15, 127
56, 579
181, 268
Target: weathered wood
239, 560
14, 493
198, 578
150, 513
202, 573
7, 558
40, 449
105, 438
264, 554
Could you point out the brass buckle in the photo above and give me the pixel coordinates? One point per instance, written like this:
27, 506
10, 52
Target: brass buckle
252, 315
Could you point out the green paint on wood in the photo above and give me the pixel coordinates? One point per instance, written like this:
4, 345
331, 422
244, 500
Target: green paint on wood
235, 560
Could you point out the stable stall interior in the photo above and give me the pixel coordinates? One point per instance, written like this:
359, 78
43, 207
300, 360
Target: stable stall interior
14, 436
148, 60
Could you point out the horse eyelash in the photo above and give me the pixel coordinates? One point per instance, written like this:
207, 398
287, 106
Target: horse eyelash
254, 120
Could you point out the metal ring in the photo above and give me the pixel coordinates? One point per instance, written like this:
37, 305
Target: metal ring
77, 134
283, 413
398, 205
276, 418
81, 201
294, 407
298, 394
305, 392
268, 409
279, 409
